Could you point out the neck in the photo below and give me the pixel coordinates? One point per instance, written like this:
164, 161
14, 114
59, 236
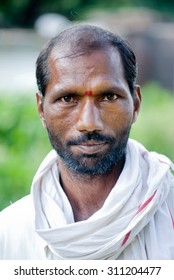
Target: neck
87, 194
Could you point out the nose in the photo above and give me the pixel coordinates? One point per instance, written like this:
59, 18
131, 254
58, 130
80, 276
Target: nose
89, 118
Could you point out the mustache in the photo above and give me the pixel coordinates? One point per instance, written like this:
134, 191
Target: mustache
97, 137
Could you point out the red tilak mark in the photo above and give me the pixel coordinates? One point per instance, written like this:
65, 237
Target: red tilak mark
88, 93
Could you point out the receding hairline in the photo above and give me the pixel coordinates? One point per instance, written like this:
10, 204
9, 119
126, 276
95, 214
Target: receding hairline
65, 52
81, 39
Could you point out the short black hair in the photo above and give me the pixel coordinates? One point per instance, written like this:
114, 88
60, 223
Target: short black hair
83, 39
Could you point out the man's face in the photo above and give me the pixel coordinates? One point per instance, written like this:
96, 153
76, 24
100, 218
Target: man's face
88, 110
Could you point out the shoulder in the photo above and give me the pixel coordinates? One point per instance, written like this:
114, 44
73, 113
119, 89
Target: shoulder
16, 219
18, 239
16, 212
170, 197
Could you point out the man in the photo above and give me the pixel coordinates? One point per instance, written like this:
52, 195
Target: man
98, 194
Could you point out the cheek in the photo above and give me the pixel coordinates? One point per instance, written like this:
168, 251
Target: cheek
59, 122
119, 117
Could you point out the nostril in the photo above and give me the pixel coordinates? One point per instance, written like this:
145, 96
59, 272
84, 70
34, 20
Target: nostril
89, 119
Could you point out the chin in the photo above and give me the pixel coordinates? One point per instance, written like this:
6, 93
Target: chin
93, 165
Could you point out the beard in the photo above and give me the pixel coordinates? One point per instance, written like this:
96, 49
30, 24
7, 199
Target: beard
91, 164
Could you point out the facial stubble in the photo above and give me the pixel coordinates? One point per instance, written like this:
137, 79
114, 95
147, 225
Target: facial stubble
91, 164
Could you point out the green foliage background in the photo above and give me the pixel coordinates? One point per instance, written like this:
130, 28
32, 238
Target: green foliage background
23, 13
24, 142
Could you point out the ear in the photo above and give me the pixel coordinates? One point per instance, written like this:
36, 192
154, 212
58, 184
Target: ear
39, 99
137, 102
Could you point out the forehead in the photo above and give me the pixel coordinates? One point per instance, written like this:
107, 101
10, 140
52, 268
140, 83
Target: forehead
80, 68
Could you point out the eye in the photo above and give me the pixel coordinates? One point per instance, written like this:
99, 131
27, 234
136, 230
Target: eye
110, 97
68, 99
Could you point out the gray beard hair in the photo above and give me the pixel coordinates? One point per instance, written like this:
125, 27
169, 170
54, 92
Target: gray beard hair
100, 164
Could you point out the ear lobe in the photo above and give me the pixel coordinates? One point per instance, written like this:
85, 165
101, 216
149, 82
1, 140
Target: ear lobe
39, 99
137, 102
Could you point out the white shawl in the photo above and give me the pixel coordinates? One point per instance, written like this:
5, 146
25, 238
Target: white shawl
128, 226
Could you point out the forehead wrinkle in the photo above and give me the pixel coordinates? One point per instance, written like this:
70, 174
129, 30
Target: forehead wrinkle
59, 66
67, 51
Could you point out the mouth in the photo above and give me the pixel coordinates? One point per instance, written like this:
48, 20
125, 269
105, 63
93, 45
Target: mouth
91, 147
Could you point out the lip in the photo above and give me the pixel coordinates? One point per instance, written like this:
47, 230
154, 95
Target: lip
91, 147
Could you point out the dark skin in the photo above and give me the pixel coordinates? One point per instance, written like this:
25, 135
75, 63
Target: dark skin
88, 94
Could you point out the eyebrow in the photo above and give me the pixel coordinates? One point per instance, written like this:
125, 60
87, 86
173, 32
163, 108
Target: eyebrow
59, 91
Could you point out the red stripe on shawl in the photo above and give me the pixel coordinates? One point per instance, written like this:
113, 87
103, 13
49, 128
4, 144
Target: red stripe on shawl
144, 153
171, 218
162, 161
145, 203
126, 238
139, 210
